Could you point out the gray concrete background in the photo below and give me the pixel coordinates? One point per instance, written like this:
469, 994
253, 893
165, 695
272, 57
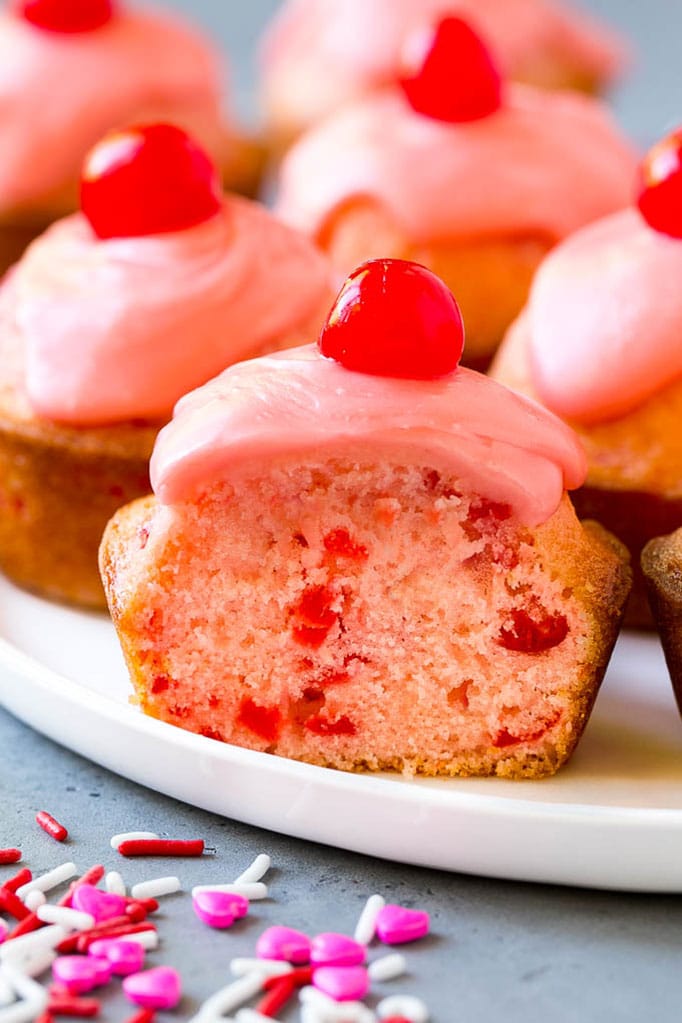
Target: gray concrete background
516, 952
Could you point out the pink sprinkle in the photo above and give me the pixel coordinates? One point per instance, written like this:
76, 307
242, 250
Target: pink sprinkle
283, 943
219, 909
159, 988
4, 930
336, 950
396, 925
78, 974
342, 983
101, 905
124, 957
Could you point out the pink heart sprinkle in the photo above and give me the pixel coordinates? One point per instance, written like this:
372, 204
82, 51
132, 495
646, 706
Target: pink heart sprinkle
395, 925
159, 988
283, 943
336, 950
342, 983
79, 974
219, 909
123, 956
102, 905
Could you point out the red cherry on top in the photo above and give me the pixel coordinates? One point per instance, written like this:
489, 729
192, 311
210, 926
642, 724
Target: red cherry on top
458, 79
393, 318
66, 15
148, 179
660, 186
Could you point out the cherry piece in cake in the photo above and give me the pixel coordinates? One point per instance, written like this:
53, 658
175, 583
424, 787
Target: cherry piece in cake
148, 179
458, 79
660, 186
66, 16
394, 318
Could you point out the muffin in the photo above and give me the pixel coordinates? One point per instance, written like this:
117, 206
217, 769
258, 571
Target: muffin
362, 556
76, 69
472, 177
662, 568
317, 56
108, 318
599, 344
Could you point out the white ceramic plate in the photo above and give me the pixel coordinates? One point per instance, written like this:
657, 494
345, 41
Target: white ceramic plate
611, 819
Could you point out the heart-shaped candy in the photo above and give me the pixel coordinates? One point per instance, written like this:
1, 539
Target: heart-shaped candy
79, 974
285, 944
397, 925
159, 988
342, 983
332, 949
123, 956
101, 905
220, 909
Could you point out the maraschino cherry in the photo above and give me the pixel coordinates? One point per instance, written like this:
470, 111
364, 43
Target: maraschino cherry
66, 15
458, 79
660, 186
393, 318
148, 179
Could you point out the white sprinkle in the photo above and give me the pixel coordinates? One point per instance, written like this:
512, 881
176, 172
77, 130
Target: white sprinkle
388, 967
155, 887
231, 997
266, 967
251, 1016
313, 996
35, 899
148, 939
24, 946
131, 836
36, 963
46, 882
6, 992
403, 1005
252, 892
325, 1010
256, 871
33, 997
114, 883
367, 922
70, 919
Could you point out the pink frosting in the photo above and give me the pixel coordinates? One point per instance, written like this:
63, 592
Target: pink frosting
544, 163
349, 47
291, 403
606, 319
120, 329
59, 93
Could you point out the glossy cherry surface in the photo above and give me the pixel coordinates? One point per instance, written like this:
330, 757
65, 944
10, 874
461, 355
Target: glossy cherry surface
148, 179
660, 186
458, 79
66, 15
397, 319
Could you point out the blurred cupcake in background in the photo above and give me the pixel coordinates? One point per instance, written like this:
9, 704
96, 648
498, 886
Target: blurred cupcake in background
71, 70
318, 55
458, 170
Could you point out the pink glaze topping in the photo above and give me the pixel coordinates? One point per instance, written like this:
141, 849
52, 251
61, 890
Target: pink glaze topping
60, 92
119, 329
605, 318
503, 446
515, 171
350, 47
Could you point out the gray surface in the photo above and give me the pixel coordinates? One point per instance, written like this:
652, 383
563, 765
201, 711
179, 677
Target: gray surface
499, 950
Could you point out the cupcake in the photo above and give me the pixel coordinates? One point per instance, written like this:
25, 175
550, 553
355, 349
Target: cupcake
362, 556
73, 70
472, 177
318, 56
109, 317
662, 569
599, 344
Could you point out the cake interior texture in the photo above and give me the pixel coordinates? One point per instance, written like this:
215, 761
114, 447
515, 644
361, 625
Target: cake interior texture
365, 614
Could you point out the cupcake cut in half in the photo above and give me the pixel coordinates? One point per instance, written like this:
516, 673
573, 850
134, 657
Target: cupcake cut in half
110, 317
461, 171
599, 344
360, 555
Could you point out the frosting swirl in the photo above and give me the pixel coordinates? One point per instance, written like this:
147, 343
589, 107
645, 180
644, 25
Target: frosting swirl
506, 447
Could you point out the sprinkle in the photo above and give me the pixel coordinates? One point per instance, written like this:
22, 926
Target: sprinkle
276, 997
132, 836
156, 887
34, 900
6, 992
23, 876
65, 1005
318, 1008
252, 1016
25, 926
403, 1005
79, 974
34, 997
9, 856
91, 877
231, 997
256, 870
366, 925
121, 931
26, 944
12, 904
36, 962
388, 967
242, 967
53, 828
46, 882
4, 930
143, 1016
300, 976
158, 988
162, 847
114, 883
253, 891
70, 919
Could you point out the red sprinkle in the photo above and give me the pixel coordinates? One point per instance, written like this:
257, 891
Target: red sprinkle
162, 847
92, 876
22, 877
9, 856
301, 976
25, 926
86, 938
64, 1005
143, 1016
12, 904
53, 828
277, 997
